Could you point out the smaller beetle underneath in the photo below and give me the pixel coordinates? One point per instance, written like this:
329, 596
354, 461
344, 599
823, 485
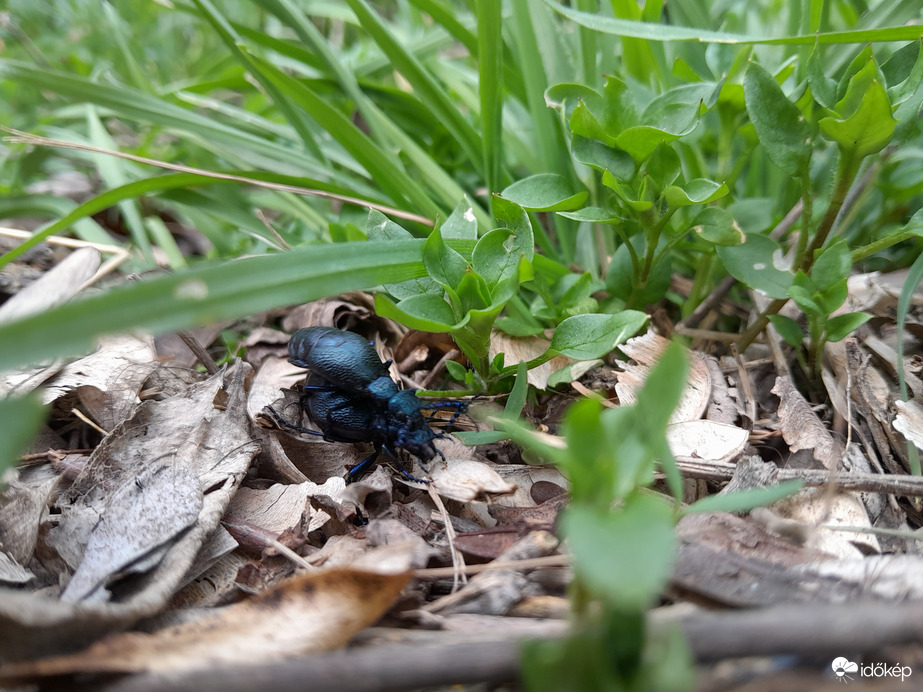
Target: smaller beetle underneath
350, 396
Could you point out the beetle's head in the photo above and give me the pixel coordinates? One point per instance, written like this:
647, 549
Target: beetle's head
419, 442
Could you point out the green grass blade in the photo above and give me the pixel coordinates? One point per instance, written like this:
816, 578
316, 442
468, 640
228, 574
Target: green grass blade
490, 52
384, 131
20, 419
295, 117
225, 291
111, 171
153, 185
379, 164
133, 104
667, 32
431, 94
548, 138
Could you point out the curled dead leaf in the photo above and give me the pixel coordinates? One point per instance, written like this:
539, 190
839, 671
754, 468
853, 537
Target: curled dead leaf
308, 612
466, 480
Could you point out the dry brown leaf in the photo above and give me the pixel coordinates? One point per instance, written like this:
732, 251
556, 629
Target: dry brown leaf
496, 591
313, 612
645, 351
138, 522
466, 480
524, 477
878, 293
202, 434
56, 286
909, 421
515, 349
22, 506
818, 509
706, 440
275, 509
802, 429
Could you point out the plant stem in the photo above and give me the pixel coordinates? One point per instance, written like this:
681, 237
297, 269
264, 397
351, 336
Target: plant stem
847, 169
807, 206
846, 172
653, 237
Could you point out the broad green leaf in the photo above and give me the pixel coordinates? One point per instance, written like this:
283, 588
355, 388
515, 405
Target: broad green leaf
788, 329
779, 124
865, 128
716, 226
754, 264
902, 67
831, 266
663, 167
585, 337
443, 264
592, 467
745, 500
626, 193
592, 215
473, 293
754, 215
514, 326
698, 191
841, 326
462, 223
380, 228
823, 89
545, 192
602, 157
426, 313
626, 555
621, 280
499, 255
577, 296
803, 292
641, 141
495, 257
832, 297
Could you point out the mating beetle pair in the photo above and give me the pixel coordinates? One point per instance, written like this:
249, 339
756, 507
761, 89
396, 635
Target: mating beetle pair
350, 396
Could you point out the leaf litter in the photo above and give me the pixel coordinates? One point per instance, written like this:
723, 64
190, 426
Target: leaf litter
173, 507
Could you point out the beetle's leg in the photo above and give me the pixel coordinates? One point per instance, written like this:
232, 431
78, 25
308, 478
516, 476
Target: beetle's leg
404, 473
359, 469
285, 424
459, 406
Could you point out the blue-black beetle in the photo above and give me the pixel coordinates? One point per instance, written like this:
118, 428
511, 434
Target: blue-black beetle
351, 398
343, 359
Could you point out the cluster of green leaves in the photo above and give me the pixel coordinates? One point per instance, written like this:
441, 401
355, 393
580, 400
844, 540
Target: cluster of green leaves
621, 535
470, 280
868, 109
818, 296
